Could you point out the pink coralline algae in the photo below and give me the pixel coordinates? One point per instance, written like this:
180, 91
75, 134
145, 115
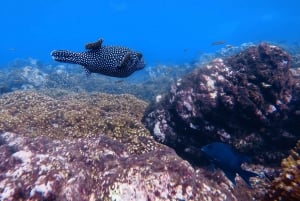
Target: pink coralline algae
99, 168
250, 100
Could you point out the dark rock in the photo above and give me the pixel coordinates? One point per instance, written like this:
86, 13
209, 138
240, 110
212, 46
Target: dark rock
250, 100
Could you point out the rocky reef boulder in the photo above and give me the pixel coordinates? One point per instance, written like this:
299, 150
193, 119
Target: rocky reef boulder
249, 100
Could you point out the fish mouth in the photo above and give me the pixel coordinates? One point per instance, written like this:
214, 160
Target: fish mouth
141, 64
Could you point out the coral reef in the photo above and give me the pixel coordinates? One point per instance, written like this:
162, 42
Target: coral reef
64, 146
75, 115
58, 144
287, 185
249, 100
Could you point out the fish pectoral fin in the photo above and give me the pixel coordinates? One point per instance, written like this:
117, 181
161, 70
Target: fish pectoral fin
87, 71
230, 175
125, 61
94, 45
212, 167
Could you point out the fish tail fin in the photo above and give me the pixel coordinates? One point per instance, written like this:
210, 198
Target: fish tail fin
66, 56
246, 176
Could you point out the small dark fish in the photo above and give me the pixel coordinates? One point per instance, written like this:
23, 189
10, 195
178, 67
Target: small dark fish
113, 61
219, 42
11, 49
282, 41
229, 46
224, 157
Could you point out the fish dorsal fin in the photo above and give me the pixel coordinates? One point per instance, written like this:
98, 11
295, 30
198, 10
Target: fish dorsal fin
94, 45
125, 61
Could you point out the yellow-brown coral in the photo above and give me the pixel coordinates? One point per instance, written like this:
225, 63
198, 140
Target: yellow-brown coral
77, 115
287, 186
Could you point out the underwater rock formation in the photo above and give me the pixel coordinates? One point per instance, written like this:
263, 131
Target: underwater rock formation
94, 147
287, 185
100, 168
249, 100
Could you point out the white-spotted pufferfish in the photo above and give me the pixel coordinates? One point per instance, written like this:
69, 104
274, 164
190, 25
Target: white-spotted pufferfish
113, 61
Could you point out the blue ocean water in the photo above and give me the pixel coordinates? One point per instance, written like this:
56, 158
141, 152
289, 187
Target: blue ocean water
166, 31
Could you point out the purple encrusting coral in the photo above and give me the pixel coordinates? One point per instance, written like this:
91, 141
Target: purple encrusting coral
250, 100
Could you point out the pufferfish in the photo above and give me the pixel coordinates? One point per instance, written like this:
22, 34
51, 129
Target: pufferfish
112, 61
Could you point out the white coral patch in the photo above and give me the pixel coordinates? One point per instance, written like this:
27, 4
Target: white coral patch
258, 112
213, 95
44, 189
188, 106
210, 84
220, 78
7, 192
158, 133
44, 169
193, 126
288, 98
24, 156
271, 109
178, 83
219, 60
206, 188
158, 98
208, 66
25, 166
34, 75
12, 139
278, 102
